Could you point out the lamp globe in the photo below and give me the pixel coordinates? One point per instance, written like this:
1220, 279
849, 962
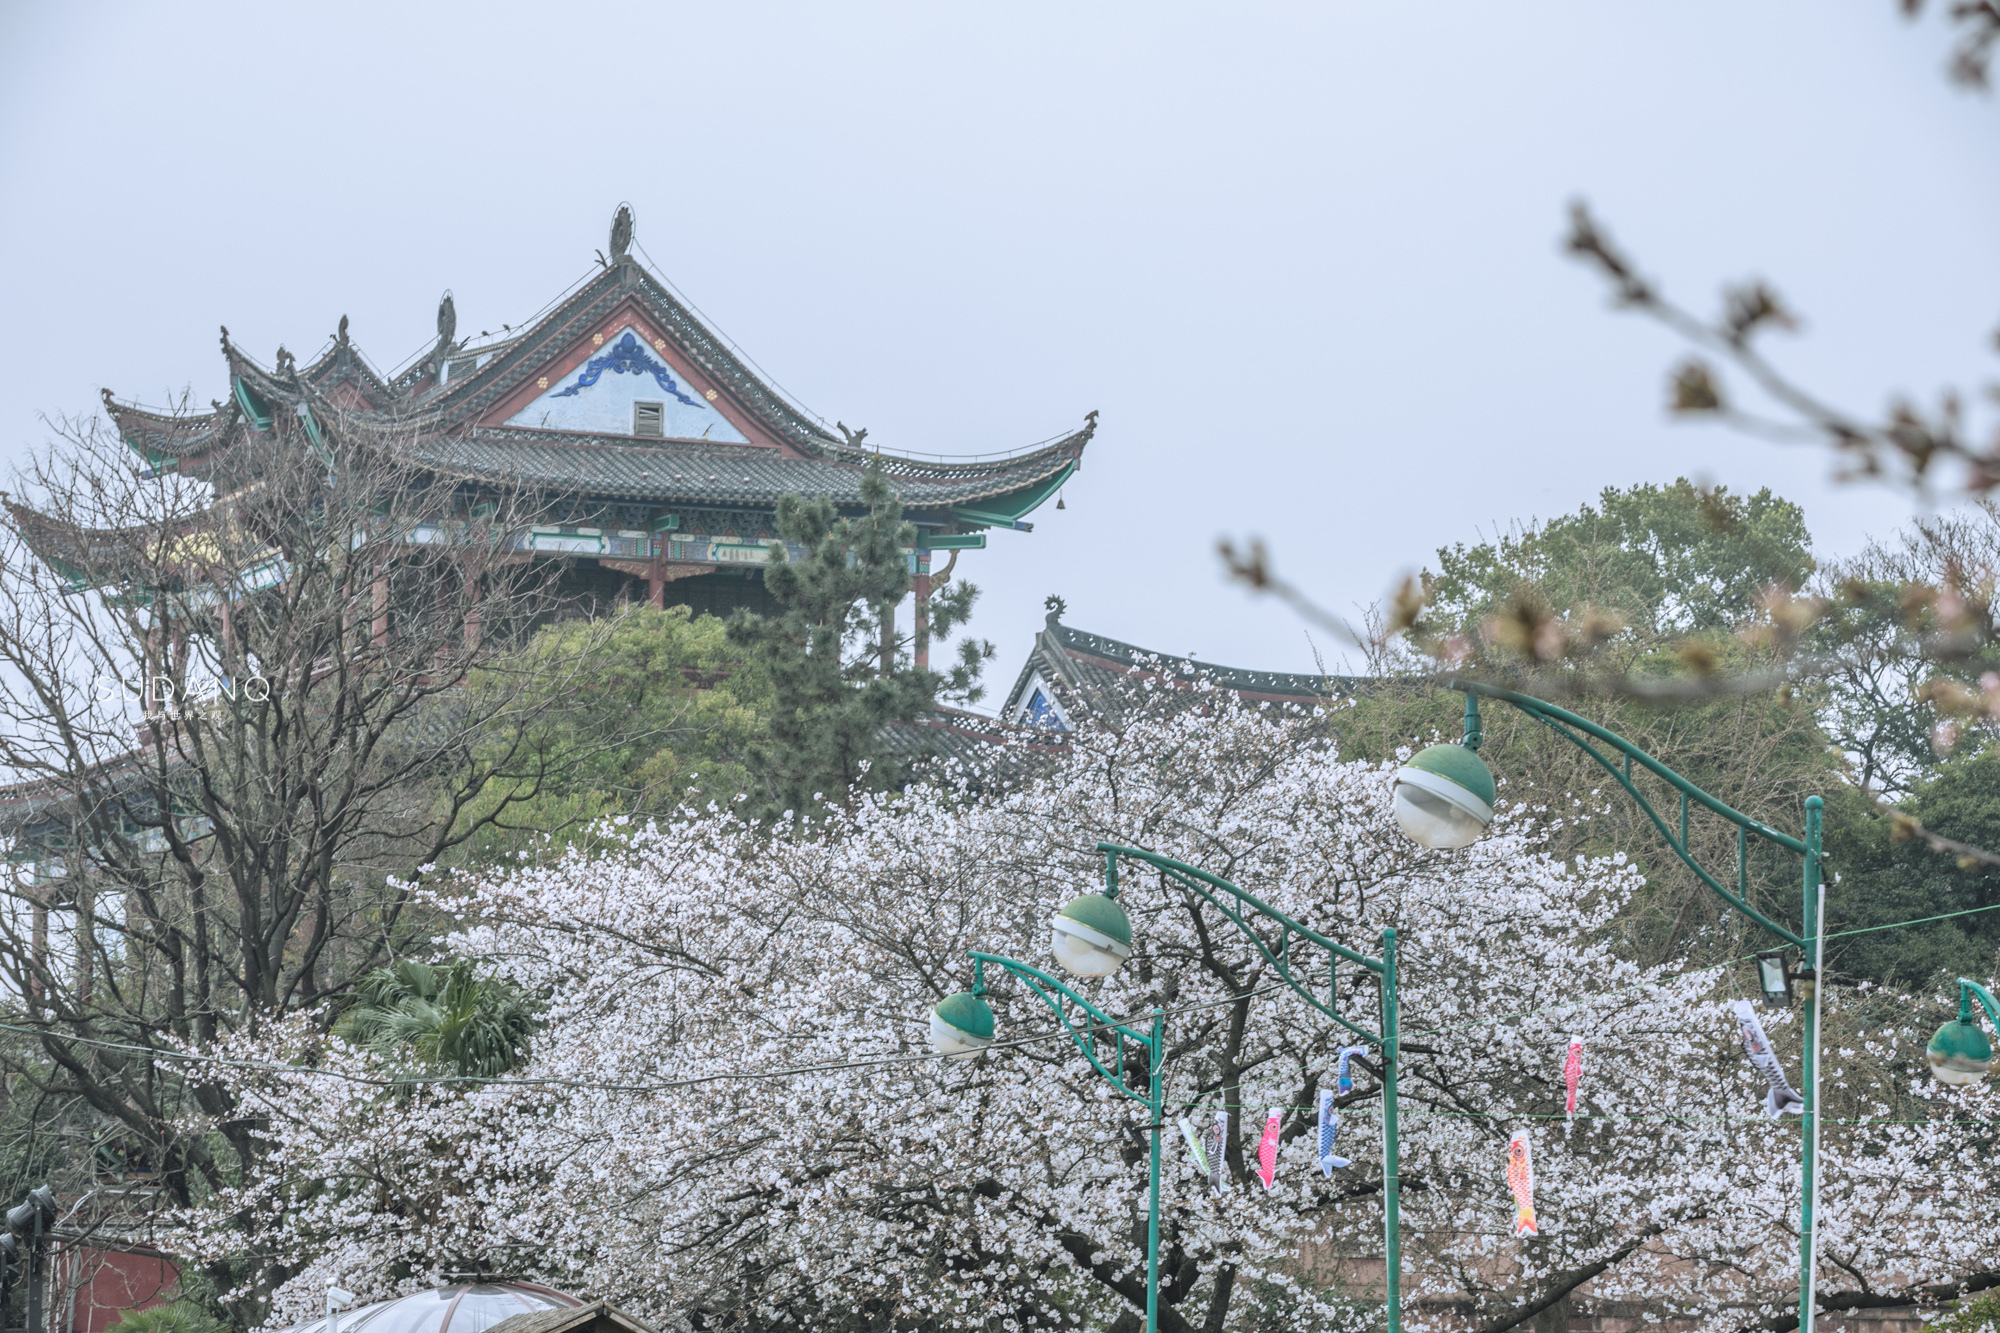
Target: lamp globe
961, 1024
1960, 1054
1092, 937
1444, 797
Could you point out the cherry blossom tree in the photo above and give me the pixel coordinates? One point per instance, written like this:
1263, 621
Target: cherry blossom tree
731, 1119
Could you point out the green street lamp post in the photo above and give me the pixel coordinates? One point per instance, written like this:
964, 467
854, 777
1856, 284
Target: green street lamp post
1098, 915
1092, 937
1444, 799
1959, 1052
962, 1025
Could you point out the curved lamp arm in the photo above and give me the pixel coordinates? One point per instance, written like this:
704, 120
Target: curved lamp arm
1968, 989
1582, 732
1234, 903
1065, 1002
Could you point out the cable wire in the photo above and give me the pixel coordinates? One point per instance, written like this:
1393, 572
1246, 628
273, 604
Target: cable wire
156, 1053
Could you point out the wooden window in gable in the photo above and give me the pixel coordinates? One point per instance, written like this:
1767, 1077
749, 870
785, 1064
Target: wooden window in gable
649, 419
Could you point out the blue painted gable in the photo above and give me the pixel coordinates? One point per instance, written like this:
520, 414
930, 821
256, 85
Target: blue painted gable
599, 396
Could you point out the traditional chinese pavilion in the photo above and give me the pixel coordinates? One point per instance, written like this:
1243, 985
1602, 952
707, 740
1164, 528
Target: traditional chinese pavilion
672, 451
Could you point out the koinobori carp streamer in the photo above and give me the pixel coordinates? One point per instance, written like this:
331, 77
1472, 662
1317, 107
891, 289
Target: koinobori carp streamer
1195, 1153
1214, 1142
1782, 1097
1346, 1079
1521, 1180
1329, 1125
1267, 1148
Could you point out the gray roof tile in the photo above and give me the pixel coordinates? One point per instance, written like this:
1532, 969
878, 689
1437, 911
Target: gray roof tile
725, 474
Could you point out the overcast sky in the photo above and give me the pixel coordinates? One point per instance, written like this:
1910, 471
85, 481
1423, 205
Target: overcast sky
1302, 258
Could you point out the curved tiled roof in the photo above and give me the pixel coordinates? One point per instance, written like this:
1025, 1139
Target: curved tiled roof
82, 555
158, 436
726, 474
437, 424
515, 360
1091, 672
343, 361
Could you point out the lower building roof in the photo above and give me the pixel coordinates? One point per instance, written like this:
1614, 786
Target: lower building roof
1087, 673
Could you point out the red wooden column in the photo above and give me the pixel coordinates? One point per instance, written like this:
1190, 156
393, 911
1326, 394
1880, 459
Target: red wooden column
923, 589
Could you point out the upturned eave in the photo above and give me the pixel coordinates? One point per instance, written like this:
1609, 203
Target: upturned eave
724, 475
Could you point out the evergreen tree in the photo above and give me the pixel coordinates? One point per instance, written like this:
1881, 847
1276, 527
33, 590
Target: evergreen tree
180, 1315
444, 1016
1885, 877
1674, 578
648, 710
1662, 561
835, 662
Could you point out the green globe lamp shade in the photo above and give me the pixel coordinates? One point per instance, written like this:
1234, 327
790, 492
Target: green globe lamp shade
1444, 797
961, 1024
1092, 936
1960, 1054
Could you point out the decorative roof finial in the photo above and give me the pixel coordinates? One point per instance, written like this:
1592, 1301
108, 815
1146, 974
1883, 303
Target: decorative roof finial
1056, 606
854, 437
621, 233
340, 336
447, 327
108, 404
225, 340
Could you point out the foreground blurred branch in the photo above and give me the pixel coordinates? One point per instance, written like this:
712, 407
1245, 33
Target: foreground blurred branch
1978, 24
1917, 441
1529, 647
1252, 566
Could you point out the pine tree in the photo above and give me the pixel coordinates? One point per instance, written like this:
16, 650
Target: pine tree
833, 656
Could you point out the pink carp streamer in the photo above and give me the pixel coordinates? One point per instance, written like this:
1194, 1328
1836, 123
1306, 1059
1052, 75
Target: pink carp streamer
1521, 1180
1572, 1074
1267, 1150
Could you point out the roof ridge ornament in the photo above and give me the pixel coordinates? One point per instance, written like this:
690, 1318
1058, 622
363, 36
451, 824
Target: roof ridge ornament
340, 334
447, 326
1056, 606
621, 234
854, 437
